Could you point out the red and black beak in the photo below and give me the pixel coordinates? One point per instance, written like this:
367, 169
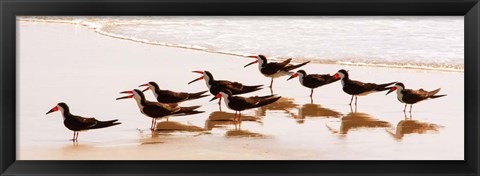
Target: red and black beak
199, 72
336, 76
391, 90
125, 97
148, 87
216, 96
251, 62
53, 110
293, 76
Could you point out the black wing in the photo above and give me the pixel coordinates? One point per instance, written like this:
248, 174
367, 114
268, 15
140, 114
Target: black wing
274, 67
167, 96
155, 109
356, 87
413, 96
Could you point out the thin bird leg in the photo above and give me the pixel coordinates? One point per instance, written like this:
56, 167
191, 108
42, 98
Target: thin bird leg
271, 83
220, 104
76, 138
74, 133
239, 116
151, 125
356, 97
311, 93
235, 116
411, 108
351, 101
405, 108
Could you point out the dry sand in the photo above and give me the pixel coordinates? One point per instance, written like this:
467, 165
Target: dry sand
73, 64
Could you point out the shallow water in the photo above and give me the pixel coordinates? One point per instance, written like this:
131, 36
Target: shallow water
389, 41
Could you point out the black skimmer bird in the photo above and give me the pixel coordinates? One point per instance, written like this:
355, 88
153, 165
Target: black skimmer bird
167, 96
157, 110
239, 104
274, 69
313, 81
79, 123
216, 85
357, 88
409, 96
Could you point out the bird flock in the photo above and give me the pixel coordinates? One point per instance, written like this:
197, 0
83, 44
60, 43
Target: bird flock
167, 102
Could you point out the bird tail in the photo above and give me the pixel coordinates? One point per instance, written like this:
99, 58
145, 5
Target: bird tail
382, 87
197, 95
432, 93
291, 67
437, 96
188, 110
248, 89
267, 101
104, 124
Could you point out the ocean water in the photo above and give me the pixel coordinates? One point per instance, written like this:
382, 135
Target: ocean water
388, 41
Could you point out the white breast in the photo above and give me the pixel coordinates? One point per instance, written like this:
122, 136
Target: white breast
226, 101
400, 96
140, 106
207, 79
301, 80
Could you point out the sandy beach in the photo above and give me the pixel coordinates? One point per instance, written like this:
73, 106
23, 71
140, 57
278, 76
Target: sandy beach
73, 64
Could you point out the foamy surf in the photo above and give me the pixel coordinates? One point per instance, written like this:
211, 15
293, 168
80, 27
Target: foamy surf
150, 30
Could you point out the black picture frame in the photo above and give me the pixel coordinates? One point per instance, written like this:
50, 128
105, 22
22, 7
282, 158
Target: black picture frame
9, 9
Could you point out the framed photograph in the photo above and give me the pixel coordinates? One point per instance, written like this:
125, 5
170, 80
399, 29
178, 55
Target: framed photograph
239, 87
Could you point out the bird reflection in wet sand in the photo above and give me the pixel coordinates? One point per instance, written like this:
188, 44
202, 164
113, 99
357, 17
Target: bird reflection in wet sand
220, 119
167, 127
243, 133
238, 132
316, 110
146, 139
354, 120
283, 104
68, 149
409, 126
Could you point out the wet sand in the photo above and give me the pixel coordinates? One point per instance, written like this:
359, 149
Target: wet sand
73, 64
